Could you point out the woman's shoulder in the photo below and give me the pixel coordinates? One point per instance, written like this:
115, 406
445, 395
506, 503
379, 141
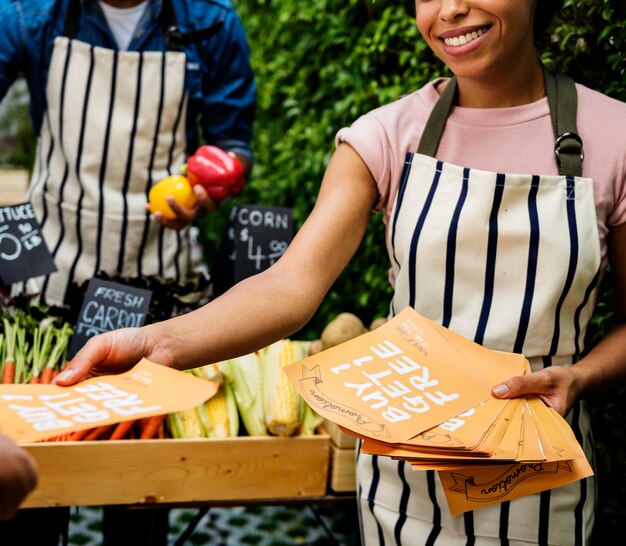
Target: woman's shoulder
601, 121
597, 105
598, 99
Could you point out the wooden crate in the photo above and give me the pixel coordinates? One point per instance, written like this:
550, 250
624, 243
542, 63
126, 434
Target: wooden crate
342, 477
338, 437
13, 186
179, 471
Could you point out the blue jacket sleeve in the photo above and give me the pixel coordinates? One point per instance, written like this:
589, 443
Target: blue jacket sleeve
11, 40
229, 92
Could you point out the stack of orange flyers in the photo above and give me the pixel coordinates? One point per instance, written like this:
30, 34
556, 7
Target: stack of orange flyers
416, 391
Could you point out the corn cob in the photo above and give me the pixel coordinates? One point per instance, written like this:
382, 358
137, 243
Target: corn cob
222, 418
187, 423
244, 374
283, 405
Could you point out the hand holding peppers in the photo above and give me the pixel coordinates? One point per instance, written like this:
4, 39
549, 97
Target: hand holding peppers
220, 173
176, 186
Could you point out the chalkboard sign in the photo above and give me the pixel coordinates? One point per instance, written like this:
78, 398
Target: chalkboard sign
109, 306
23, 251
256, 237
262, 234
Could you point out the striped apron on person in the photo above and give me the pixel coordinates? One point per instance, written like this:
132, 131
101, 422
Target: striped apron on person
114, 125
512, 262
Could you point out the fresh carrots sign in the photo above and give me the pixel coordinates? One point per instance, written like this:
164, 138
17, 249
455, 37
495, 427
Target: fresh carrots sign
29, 413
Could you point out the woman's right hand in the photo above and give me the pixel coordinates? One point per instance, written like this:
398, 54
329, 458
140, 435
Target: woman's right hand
114, 352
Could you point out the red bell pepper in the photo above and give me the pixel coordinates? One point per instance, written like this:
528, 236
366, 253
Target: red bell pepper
219, 172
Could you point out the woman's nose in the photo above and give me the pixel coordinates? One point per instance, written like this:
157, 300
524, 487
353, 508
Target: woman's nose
452, 9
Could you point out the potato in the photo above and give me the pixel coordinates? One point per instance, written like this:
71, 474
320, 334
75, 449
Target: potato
343, 327
315, 347
377, 322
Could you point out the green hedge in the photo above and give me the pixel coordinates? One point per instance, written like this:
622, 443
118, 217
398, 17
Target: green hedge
321, 64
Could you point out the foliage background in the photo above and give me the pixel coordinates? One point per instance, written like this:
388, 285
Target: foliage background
320, 65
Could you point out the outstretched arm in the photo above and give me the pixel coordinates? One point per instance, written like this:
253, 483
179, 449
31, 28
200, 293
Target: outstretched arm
261, 309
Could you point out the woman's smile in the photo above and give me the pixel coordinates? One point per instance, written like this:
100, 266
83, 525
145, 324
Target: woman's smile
463, 40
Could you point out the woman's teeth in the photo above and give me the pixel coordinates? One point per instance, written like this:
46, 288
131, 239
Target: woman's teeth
464, 38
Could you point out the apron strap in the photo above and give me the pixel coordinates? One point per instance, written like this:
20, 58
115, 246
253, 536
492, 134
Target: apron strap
72, 19
563, 102
175, 40
437, 120
562, 99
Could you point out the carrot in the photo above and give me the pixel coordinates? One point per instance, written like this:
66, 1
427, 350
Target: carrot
10, 334
46, 375
121, 430
99, 433
8, 372
34, 379
79, 434
152, 426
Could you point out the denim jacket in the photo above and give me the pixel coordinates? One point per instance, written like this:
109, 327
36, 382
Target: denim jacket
220, 80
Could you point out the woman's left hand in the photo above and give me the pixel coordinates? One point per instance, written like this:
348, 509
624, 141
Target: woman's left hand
559, 387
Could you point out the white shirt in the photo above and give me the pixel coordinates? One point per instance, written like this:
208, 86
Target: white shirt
123, 21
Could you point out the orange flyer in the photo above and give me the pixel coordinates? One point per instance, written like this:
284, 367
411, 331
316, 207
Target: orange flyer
394, 382
30, 413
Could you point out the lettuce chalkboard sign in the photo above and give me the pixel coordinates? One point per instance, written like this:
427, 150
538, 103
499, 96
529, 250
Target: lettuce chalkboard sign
23, 251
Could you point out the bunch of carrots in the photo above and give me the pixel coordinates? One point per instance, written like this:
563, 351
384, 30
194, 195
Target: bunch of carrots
32, 351
139, 429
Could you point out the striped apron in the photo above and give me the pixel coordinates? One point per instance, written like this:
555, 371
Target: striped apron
513, 263
114, 125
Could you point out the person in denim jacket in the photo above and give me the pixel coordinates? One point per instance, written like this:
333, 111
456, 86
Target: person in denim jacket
122, 92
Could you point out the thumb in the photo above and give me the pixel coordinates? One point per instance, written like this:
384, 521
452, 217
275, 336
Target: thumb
513, 387
91, 354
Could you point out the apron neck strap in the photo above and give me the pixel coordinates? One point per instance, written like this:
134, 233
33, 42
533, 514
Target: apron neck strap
563, 102
72, 19
175, 39
562, 99
436, 123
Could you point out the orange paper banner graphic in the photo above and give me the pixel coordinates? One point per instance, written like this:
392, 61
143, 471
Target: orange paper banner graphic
471, 488
29, 413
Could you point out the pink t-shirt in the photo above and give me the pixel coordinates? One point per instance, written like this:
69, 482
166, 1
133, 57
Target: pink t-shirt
516, 140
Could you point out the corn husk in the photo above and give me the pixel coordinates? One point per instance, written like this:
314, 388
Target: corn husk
311, 420
245, 377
